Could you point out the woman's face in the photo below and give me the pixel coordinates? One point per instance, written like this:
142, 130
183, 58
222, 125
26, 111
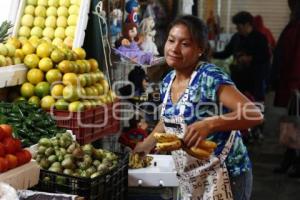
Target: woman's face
181, 52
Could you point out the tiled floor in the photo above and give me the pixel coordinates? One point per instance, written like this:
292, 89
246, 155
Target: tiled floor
267, 155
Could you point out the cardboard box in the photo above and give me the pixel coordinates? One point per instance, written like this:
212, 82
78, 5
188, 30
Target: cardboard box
22, 177
12, 75
80, 26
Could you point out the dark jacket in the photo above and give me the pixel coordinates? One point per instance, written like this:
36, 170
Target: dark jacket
249, 78
286, 64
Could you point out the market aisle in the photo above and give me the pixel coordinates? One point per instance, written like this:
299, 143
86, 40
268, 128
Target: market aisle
267, 155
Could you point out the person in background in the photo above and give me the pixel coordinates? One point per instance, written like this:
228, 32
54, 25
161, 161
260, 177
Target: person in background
286, 77
260, 26
139, 80
251, 54
187, 91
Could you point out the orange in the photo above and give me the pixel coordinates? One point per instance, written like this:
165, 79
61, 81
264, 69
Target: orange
65, 66
35, 100
53, 75
19, 54
44, 49
57, 55
70, 93
70, 79
105, 85
57, 91
45, 64
94, 64
28, 48
87, 104
14, 41
61, 104
81, 54
76, 106
31, 60
99, 88
42, 89
88, 91
88, 66
27, 90
34, 40
82, 80
35, 76
47, 102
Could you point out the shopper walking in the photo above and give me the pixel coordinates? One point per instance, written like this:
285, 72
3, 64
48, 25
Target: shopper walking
201, 102
286, 76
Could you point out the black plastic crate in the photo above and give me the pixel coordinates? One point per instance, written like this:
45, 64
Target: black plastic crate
110, 186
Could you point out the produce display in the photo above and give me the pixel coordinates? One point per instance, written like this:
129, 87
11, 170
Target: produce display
52, 20
10, 52
62, 154
60, 77
170, 142
11, 153
137, 161
29, 122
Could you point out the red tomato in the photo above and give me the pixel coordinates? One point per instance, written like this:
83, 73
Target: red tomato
2, 134
23, 156
3, 164
12, 161
2, 150
18, 145
9, 145
6, 130
27, 155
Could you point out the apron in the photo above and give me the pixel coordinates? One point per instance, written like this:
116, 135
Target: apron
205, 179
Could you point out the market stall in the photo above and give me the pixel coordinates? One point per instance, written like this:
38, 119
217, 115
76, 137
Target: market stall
60, 73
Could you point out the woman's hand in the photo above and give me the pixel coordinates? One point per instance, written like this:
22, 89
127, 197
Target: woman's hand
195, 133
149, 143
141, 147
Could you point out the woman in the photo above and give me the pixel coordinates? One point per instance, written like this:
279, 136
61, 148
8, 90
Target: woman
201, 102
286, 79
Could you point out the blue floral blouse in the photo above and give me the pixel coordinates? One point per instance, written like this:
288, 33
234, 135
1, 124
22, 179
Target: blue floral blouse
203, 102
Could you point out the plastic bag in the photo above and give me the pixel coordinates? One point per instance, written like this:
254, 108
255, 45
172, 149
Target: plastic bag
290, 125
34, 195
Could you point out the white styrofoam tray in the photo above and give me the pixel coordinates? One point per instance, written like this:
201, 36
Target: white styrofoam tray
80, 27
12, 75
163, 174
22, 177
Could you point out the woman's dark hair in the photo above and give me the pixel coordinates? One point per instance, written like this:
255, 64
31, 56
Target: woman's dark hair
197, 28
242, 17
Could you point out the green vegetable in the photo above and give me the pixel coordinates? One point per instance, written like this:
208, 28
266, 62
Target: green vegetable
29, 122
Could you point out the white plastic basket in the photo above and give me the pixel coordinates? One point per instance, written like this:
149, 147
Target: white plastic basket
12, 75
